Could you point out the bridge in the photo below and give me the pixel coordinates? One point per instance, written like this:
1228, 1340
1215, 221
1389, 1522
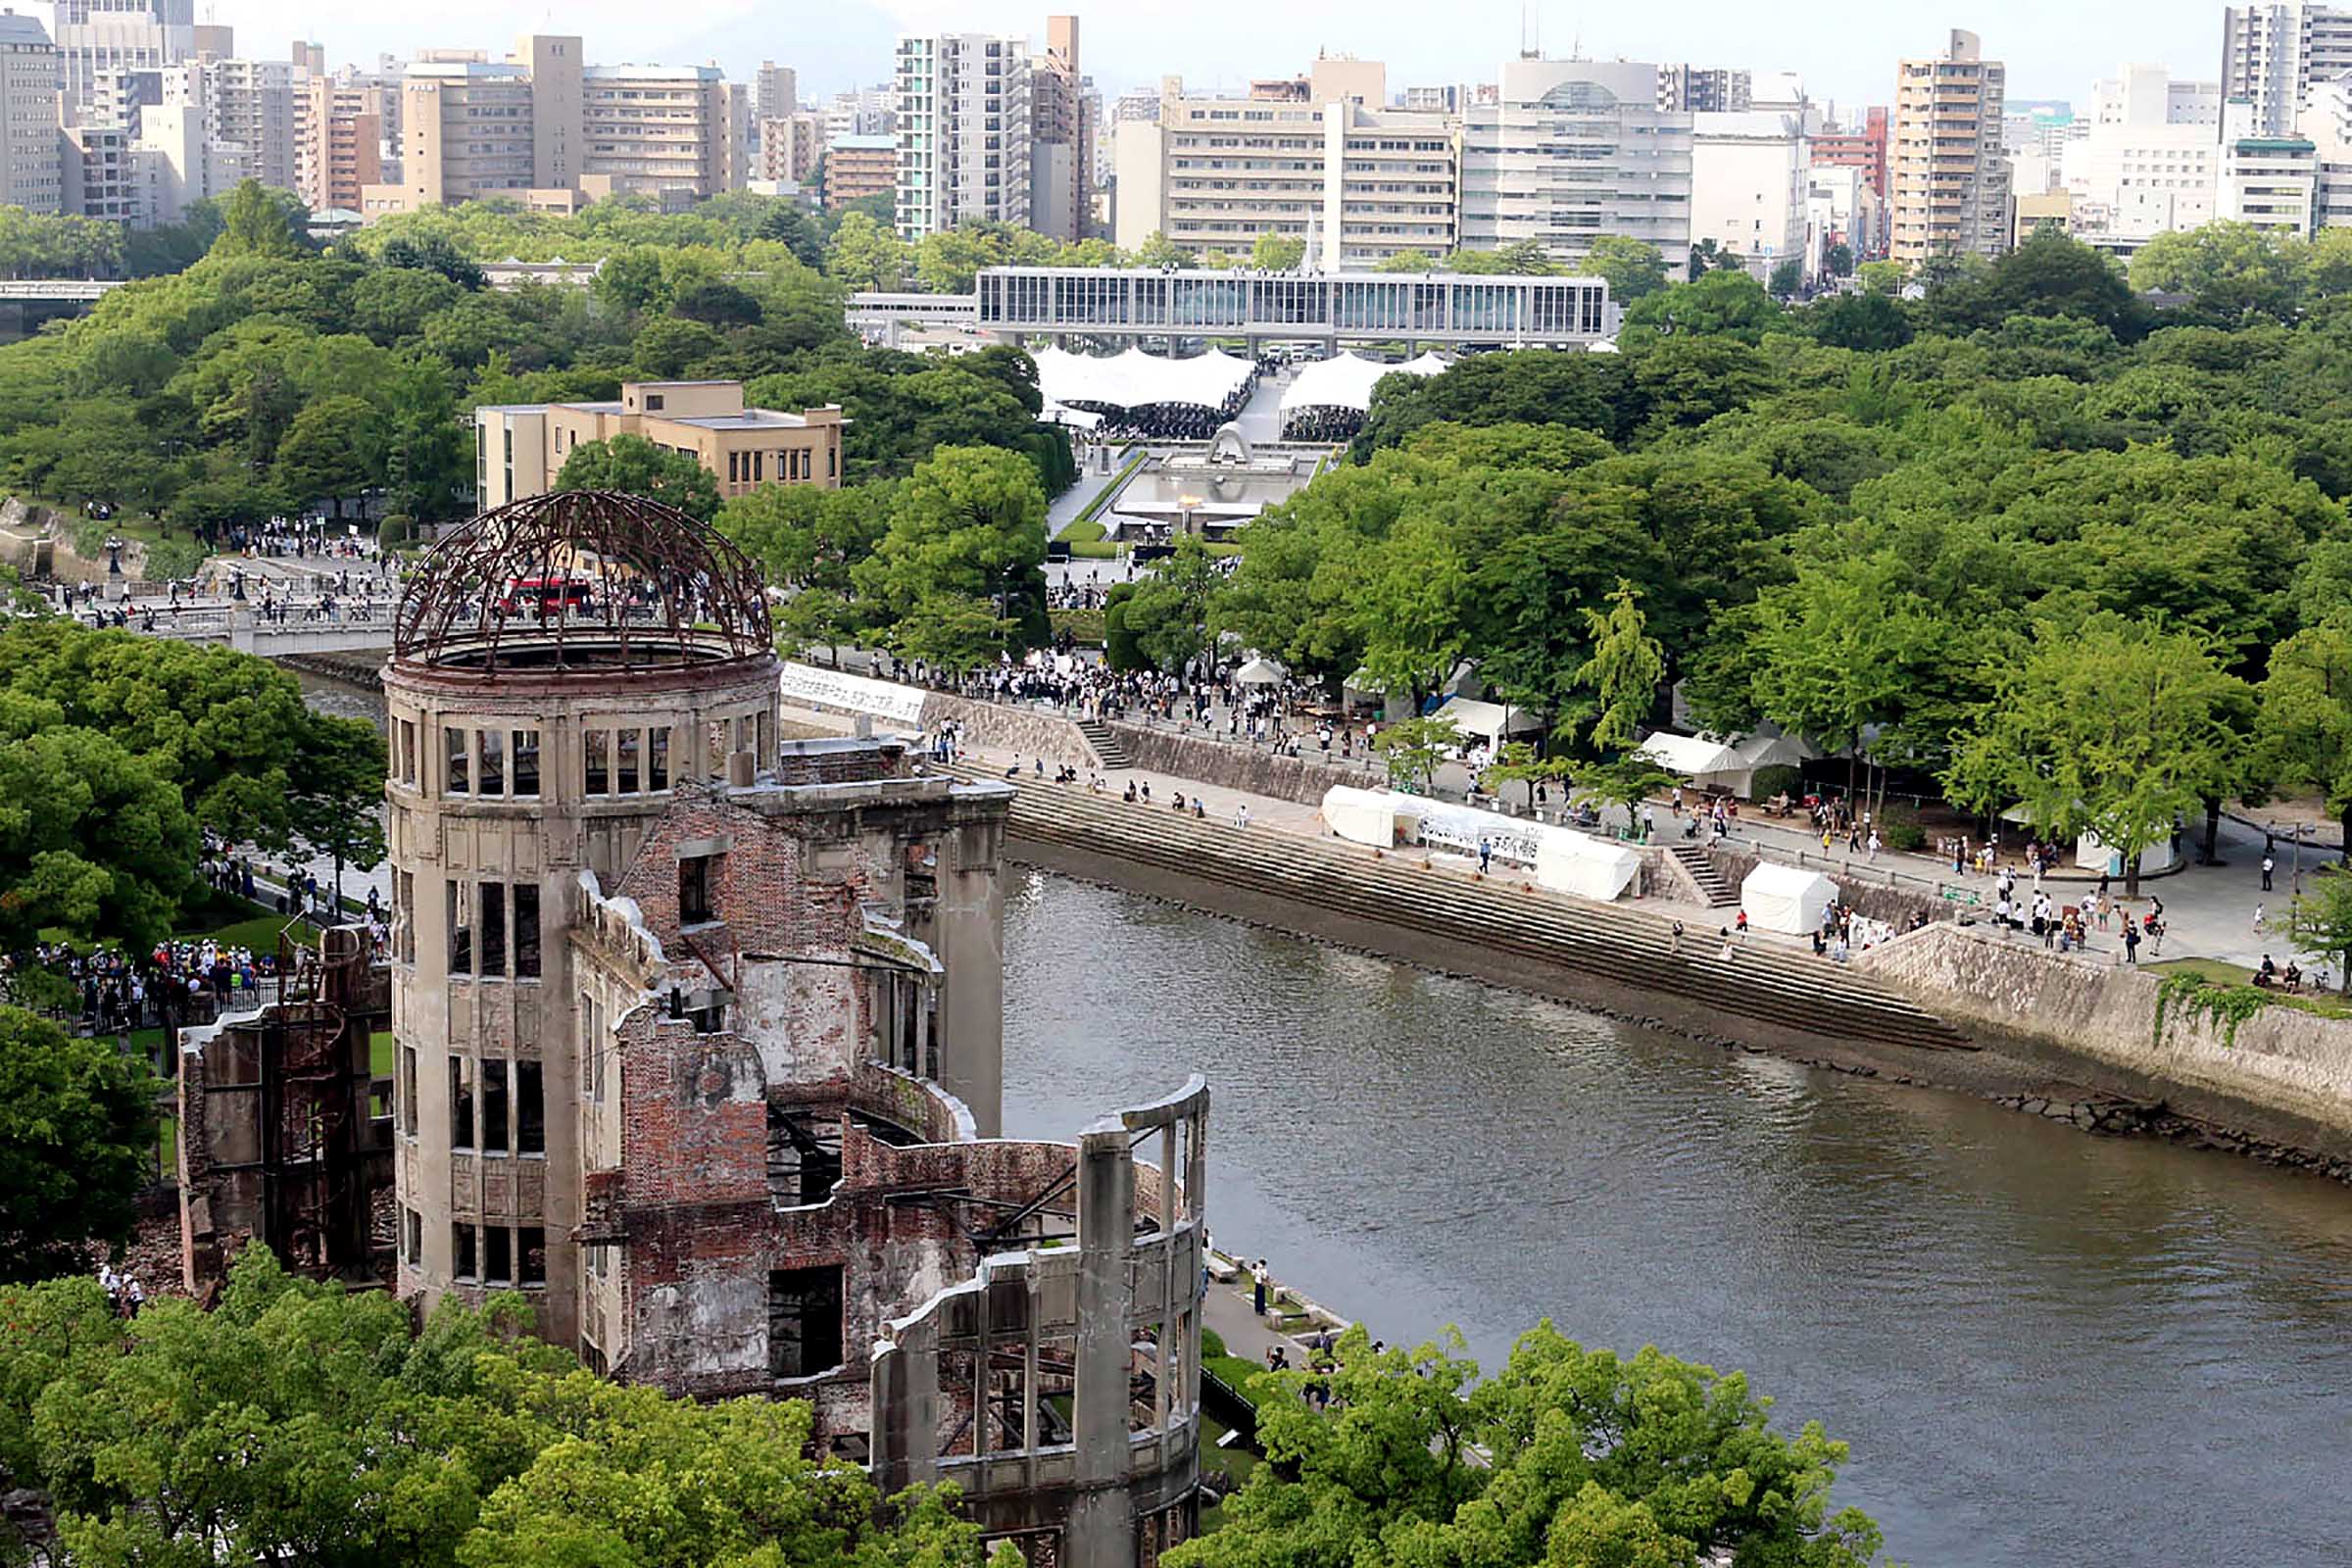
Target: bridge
245, 630
76, 290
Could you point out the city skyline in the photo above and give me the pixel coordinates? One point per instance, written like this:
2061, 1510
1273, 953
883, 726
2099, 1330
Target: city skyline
2051, 53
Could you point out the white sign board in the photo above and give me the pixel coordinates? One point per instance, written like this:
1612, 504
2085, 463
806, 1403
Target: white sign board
855, 694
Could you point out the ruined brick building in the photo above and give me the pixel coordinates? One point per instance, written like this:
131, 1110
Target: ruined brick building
697, 1041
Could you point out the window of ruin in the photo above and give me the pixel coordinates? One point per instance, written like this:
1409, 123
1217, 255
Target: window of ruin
709, 1014
494, 930
530, 1253
491, 779
526, 762
455, 743
408, 751
494, 1107
657, 758
599, 1044
527, 930
530, 1109
461, 1102
628, 749
460, 1245
696, 878
767, 727
461, 929
411, 1236
498, 1264
408, 1089
803, 1157
803, 1321
404, 902
597, 750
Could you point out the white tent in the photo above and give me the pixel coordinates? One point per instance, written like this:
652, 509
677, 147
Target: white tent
1573, 862
1133, 378
1261, 672
2092, 854
1785, 898
1492, 720
1361, 816
1689, 756
1347, 380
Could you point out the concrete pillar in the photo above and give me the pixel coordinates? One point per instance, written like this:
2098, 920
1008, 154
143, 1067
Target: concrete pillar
904, 1381
1102, 1519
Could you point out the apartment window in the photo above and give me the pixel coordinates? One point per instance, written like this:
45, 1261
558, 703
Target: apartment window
500, 1264
656, 757
454, 742
460, 1247
527, 930
530, 1249
695, 881
598, 750
530, 1108
461, 1102
408, 1089
461, 929
526, 762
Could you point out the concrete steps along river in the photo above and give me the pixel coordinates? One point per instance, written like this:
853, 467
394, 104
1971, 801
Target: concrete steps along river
1627, 946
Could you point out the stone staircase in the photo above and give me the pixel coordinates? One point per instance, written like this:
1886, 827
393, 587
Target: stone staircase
1105, 741
1617, 943
1719, 894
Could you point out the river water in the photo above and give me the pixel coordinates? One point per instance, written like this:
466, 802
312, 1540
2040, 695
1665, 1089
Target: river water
2045, 1348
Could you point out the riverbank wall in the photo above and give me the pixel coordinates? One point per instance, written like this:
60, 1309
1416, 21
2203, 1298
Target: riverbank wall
2279, 1080
1252, 770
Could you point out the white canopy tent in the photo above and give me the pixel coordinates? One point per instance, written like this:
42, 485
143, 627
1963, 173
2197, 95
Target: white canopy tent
1347, 380
1261, 672
1492, 720
1135, 379
1689, 756
1361, 816
1788, 898
1577, 864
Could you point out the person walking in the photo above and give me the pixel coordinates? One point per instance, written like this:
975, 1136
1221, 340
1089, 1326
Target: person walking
2258, 919
1257, 1288
2131, 943
1486, 852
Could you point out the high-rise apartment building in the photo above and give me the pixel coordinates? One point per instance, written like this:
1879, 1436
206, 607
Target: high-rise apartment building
793, 147
1951, 184
338, 143
1694, 90
776, 92
964, 131
101, 176
130, 36
1061, 137
863, 112
1570, 150
31, 173
242, 103
661, 130
2272, 56
1308, 158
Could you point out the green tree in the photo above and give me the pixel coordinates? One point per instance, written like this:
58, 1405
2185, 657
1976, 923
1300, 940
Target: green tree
968, 525
2306, 724
2115, 727
634, 465
1838, 259
1406, 261
78, 1126
1277, 253
336, 803
1625, 780
1415, 748
1520, 259
1567, 1457
1718, 304
2320, 921
1168, 615
1883, 277
1868, 322
1633, 268
330, 452
951, 632
1788, 281
1520, 763
1163, 254
866, 254
2231, 270
92, 842
1625, 670
1411, 605
255, 222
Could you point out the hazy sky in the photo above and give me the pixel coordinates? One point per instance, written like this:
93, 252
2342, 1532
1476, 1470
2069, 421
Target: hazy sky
1843, 51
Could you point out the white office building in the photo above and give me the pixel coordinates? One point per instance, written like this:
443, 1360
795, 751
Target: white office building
1571, 150
242, 103
2149, 161
127, 36
964, 131
1748, 188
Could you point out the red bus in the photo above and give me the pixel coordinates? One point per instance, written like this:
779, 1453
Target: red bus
547, 596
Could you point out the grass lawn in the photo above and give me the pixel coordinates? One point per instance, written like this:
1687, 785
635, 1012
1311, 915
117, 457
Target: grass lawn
1085, 532
1234, 1464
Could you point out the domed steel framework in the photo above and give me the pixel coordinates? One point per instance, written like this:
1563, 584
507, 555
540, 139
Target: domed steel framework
582, 579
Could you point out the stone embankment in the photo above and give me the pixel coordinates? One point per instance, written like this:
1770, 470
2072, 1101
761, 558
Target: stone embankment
2276, 1082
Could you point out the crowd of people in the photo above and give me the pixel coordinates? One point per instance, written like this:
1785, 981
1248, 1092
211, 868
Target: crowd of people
1172, 421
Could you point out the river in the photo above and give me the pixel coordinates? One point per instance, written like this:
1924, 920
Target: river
2043, 1348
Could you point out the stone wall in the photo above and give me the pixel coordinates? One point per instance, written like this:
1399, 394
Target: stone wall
1032, 732
2285, 1074
1255, 770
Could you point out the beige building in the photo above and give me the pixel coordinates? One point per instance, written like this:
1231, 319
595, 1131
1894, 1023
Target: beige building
1951, 180
858, 167
545, 130
1312, 159
1061, 137
520, 448
338, 143
793, 147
